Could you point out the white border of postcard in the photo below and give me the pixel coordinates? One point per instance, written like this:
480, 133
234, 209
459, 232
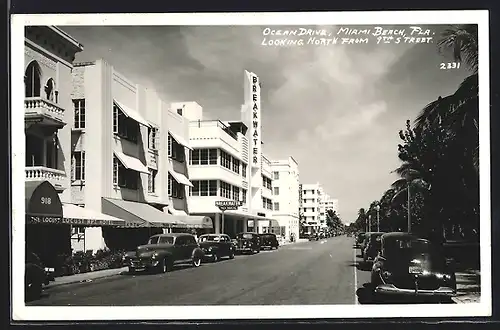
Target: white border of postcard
73, 313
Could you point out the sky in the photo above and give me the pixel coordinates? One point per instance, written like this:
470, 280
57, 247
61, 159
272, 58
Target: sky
336, 109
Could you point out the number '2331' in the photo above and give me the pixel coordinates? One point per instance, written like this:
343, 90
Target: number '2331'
449, 65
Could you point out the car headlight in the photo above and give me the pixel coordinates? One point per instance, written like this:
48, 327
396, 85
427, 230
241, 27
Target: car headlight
209, 249
446, 277
155, 255
386, 274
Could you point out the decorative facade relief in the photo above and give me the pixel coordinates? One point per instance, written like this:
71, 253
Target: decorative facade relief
43, 60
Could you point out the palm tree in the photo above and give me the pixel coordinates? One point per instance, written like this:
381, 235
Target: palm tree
462, 41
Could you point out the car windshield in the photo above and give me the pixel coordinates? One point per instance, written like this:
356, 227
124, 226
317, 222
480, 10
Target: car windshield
210, 238
245, 236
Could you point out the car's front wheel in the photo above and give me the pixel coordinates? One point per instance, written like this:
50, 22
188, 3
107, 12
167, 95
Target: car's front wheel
231, 254
163, 266
215, 257
33, 289
196, 261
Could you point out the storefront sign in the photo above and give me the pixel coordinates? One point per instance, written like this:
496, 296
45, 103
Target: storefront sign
71, 221
228, 205
250, 223
256, 139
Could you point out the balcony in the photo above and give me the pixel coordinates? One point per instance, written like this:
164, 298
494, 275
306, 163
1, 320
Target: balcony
40, 173
43, 112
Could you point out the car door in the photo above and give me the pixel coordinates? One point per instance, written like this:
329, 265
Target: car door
226, 245
191, 244
180, 248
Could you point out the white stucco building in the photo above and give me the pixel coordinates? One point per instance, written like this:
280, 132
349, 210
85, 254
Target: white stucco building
311, 206
129, 154
286, 202
227, 163
326, 203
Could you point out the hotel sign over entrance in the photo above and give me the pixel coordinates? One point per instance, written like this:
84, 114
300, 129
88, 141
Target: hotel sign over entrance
228, 205
224, 206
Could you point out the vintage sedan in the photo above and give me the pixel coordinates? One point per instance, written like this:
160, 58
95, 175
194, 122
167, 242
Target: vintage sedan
409, 266
216, 246
269, 241
248, 242
371, 246
35, 276
163, 251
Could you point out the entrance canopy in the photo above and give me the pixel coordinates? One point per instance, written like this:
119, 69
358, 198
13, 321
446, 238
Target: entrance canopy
42, 203
76, 215
141, 214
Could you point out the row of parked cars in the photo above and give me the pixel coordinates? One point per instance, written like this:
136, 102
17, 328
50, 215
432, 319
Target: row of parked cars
163, 251
403, 264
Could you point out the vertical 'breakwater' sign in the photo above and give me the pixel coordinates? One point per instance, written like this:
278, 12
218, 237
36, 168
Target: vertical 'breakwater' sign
256, 122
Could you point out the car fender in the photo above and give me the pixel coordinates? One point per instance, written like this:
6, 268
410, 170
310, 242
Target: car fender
164, 255
197, 252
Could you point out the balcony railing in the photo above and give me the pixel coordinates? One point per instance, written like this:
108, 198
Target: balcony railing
41, 173
40, 107
214, 123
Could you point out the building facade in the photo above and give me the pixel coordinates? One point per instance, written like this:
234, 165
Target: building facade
286, 199
48, 55
227, 164
311, 206
129, 153
327, 203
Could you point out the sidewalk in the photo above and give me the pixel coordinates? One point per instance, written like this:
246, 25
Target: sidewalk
468, 287
86, 277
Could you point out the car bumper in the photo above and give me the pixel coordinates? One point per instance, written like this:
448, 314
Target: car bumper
139, 264
390, 289
244, 249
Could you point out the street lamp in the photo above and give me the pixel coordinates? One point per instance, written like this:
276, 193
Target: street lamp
378, 217
409, 212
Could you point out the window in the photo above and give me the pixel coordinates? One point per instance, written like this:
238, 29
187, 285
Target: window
236, 166
204, 188
276, 206
175, 189
124, 127
267, 203
50, 90
276, 191
266, 182
175, 150
78, 166
203, 157
244, 169
236, 193
225, 190
225, 159
244, 196
276, 175
153, 138
32, 80
152, 181
79, 106
124, 177
179, 112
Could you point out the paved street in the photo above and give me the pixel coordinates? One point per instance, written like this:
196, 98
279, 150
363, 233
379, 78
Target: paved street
318, 272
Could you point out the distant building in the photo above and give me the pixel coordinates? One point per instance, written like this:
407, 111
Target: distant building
286, 196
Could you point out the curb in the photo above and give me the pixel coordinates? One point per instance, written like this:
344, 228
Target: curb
86, 280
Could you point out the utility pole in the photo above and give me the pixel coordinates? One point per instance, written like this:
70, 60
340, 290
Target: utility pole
409, 212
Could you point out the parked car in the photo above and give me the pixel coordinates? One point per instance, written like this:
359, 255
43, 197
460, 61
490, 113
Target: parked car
370, 239
359, 239
269, 241
248, 242
35, 276
407, 265
163, 251
373, 247
216, 246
